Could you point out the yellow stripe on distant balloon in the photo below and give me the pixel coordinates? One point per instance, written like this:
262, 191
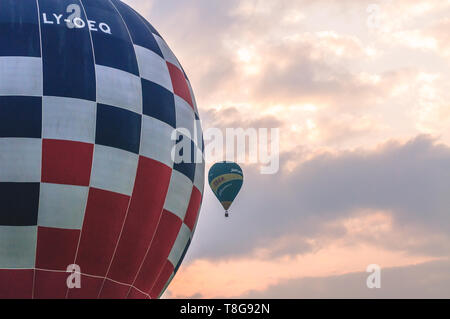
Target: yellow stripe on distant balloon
222, 179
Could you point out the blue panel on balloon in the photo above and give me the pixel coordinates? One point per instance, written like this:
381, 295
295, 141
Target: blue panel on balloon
20, 116
140, 33
148, 24
182, 256
68, 60
112, 43
186, 168
158, 102
19, 204
118, 128
19, 28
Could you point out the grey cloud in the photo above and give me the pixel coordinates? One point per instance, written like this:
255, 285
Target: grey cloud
428, 280
304, 77
411, 180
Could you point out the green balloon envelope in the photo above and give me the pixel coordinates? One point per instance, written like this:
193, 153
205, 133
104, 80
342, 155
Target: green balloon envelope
225, 180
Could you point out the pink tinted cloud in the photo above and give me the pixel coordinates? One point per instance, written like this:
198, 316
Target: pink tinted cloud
234, 277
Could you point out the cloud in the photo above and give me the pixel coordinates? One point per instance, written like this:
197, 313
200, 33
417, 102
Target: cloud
343, 246
275, 57
409, 180
352, 103
278, 63
437, 31
236, 277
234, 117
427, 280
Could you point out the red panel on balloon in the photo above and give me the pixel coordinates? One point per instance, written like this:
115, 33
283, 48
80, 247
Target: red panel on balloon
113, 290
66, 162
56, 248
193, 208
179, 84
20, 279
162, 280
105, 213
90, 287
165, 237
50, 284
136, 294
150, 189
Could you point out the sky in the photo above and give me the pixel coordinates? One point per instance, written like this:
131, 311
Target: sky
360, 91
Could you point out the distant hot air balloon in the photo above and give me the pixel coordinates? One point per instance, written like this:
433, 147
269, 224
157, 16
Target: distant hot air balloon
226, 180
90, 94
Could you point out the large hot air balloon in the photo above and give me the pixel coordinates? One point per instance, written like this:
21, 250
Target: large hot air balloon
90, 94
225, 180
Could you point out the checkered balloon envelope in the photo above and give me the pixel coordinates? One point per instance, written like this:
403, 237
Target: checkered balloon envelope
90, 96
